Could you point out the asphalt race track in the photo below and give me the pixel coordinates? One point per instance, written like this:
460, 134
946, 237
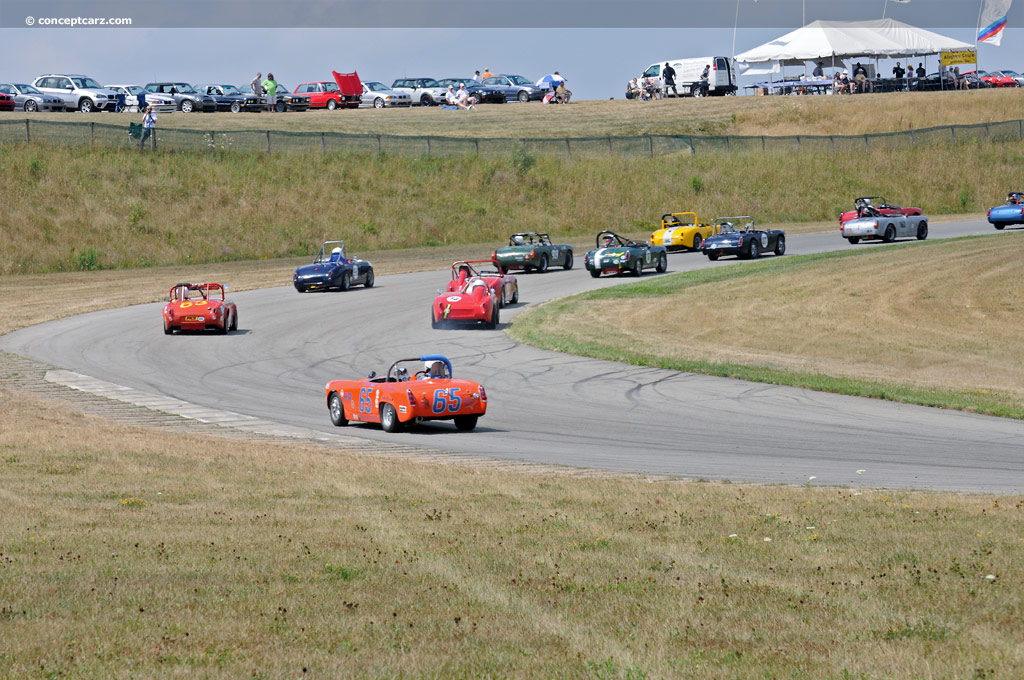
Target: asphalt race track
543, 406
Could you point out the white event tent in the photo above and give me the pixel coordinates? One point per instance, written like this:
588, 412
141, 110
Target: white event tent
837, 40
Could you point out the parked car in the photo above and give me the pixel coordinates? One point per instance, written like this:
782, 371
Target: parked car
533, 251
682, 231
199, 307
325, 94
378, 96
397, 398
616, 254
1017, 78
995, 79
1010, 213
186, 98
874, 224
29, 99
481, 94
423, 91
6, 102
229, 97
331, 269
738, 236
883, 206
286, 101
79, 93
515, 88
131, 96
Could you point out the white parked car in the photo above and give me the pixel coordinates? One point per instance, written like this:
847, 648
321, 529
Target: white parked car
131, 96
423, 91
378, 96
888, 228
721, 75
79, 93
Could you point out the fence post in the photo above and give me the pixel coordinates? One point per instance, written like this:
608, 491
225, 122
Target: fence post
92, 132
268, 141
568, 148
798, 146
28, 133
911, 138
866, 145
428, 147
609, 144
323, 144
650, 144
693, 151
763, 149
832, 143
1020, 129
727, 146
476, 144
986, 130
379, 151
211, 143
952, 133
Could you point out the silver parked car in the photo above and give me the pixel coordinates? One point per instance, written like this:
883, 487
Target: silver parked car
876, 225
424, 91
185, 97
79, 93
29, 99
378, 96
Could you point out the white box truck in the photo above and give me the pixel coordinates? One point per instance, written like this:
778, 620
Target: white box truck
721, 76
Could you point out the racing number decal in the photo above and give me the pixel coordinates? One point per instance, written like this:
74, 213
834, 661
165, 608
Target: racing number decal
447, 399
365, 403
764, 239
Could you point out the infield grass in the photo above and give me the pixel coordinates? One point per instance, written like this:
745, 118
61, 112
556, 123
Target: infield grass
936, 323
129, 552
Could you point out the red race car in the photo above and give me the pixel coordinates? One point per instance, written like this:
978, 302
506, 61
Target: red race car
198, 307
398, 398
879, 203
474, 294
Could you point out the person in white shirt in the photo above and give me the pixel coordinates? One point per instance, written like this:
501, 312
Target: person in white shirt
477, 77
450, 97
463, 98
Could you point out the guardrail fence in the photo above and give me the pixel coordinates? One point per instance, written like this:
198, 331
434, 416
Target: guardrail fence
280, 141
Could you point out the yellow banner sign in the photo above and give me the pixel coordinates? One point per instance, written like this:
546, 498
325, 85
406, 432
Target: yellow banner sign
957, 57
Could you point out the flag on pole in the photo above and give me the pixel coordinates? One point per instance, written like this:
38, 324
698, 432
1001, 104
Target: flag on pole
993, 20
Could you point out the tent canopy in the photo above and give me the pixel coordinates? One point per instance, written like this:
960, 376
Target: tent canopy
846, 39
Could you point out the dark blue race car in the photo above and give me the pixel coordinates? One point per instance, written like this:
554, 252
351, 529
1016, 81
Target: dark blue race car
331, 269
1010, 213
737, 236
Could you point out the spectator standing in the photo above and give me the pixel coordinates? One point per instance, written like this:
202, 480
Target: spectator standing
270, 85
704, 75
477, 77
897, 73
148, 128
487, 73
257, 85
669, 74
920, 74
819, 70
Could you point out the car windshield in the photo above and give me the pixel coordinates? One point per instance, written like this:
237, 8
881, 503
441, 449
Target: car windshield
1012, 74
133, 89
429, 82
374, 86
652, 71
229, 89
519, 80
26, 89
87, 82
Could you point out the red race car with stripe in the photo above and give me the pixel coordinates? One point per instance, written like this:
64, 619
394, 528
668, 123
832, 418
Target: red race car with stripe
397, 398
199, 307
475, 294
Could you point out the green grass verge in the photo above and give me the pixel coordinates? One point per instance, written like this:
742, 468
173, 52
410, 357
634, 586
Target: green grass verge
532, 327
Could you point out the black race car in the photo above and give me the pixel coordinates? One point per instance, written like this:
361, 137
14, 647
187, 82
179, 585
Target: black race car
331, 269
737, 236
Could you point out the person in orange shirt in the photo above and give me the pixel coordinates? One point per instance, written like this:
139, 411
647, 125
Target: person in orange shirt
487, 73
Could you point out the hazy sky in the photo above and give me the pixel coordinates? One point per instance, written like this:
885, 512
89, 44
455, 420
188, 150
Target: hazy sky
596, 61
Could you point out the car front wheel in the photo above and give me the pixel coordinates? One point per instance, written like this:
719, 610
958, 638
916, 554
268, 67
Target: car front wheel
369, 279
236, 107
85, 105
378, 103
922, 231
662, 264
187, 106
30, 105
425, 100
524, 96
331, 104
780, 246
568, 261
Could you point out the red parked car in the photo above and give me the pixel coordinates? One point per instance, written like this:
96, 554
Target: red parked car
880, 204
6, 102
345, 92
994, 79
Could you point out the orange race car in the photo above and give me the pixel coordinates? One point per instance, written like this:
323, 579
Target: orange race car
198, 307
477, 290
398, 398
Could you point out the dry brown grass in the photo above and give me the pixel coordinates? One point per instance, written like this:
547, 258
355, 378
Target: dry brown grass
942, 315
128, 552
720, 115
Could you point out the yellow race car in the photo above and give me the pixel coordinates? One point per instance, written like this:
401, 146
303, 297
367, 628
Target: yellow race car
682, 231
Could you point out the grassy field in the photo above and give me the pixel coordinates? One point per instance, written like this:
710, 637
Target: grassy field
128, 552
840, 115
81, 208
936, 323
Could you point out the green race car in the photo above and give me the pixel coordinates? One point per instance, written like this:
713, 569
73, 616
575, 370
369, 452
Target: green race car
616, 254
531, 251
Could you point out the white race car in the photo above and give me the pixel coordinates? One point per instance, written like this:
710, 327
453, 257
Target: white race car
875, 225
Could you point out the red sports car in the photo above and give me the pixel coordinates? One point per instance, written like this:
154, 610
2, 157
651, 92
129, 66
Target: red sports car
880, 204
994, 79
474, 294
6, 102
197, 307
397, 398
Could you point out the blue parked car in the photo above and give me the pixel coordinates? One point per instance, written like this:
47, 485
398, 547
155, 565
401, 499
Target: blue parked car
331, 269
1011, 212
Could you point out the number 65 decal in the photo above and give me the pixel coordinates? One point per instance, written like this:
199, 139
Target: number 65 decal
447, 399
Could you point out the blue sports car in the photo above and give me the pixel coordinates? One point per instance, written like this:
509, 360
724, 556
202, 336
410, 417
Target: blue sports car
331, 269
1011, 212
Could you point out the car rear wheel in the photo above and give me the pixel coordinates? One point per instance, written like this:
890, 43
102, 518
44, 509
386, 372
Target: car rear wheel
515, 294
466, 423
280, 107
501, 297
568, 261
337, 410
225, 324
331, 104
543, 266
755, 249
999, 227
712, 256
495, 317
30, 105
922, 231
425, 100
346, 281
167, 329
378, 103
523, 96
780, 245
596, 273
369, 279
697, 241
234, 321
187, 106
662, 264
854, 240
638, 267
890, 234
389, 418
